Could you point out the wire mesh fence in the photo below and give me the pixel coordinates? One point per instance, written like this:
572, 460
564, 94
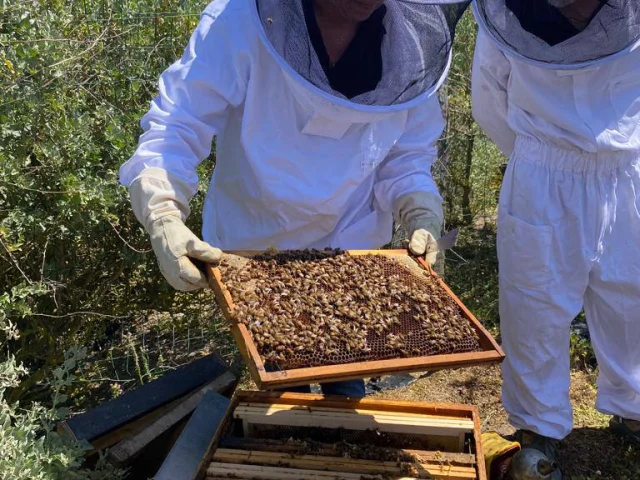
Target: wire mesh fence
151, 345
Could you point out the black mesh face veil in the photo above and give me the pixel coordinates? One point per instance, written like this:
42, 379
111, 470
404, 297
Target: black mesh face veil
415, 47
539, 31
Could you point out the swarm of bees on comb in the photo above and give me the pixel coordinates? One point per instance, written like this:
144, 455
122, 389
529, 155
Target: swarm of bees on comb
314, 308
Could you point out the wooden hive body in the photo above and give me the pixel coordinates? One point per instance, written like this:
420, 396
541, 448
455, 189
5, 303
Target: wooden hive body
422, 440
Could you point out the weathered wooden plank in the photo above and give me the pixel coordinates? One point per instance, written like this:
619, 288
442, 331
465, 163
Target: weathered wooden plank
360, 411
384, 422
255, 472
132, 428
477, 441
188, 457
357, 413
451, 433
355, 371
321, 401
127, 450
109, 416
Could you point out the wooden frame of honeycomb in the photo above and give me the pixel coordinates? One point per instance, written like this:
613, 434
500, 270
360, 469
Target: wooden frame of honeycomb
490, 351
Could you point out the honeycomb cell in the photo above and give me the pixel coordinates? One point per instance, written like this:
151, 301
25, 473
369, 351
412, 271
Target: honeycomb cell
317, 308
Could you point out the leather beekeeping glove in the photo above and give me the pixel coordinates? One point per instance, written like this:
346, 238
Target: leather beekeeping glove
160, 202
420, 213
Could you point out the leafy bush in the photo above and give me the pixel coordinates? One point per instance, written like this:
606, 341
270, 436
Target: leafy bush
30, 449
75, 79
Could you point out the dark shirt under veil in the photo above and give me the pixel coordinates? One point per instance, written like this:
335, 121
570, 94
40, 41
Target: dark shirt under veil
545, 21
359, 70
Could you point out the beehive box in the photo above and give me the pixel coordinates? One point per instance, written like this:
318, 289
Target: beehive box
282, 436
305, 317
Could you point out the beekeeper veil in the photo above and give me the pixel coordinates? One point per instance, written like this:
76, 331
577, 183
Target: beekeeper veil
416, 41
549, 33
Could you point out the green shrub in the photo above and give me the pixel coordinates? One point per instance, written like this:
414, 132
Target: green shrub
30, 448
75, 79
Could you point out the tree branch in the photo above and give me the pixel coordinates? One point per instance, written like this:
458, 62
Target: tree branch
125, 242
72, 314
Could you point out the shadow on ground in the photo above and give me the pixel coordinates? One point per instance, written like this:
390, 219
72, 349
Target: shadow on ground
591, 452
595, 453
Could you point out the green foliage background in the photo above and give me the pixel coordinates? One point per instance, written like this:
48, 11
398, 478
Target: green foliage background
75, 79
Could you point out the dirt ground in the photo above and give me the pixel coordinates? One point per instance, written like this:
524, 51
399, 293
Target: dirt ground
590, 452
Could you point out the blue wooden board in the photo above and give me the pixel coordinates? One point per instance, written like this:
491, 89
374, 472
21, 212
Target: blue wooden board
122, 410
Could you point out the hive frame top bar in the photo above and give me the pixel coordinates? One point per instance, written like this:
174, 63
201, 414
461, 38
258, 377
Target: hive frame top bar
491, 352
396, 409
253, 253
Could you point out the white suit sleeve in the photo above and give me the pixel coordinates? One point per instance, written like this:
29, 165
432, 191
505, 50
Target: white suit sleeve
195, 96
407, 168
490, 77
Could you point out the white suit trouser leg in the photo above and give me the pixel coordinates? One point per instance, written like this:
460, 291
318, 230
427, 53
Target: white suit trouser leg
568, 237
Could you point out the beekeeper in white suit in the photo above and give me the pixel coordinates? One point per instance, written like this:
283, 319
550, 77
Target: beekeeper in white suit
326, 121
556, 84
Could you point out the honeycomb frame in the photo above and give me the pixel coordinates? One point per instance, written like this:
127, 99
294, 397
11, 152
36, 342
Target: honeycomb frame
265, 378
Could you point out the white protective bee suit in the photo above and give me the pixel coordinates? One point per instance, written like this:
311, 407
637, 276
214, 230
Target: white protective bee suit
297, 164
568, 115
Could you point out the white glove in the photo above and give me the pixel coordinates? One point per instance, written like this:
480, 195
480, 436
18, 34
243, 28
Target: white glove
175, 246
420, 213
160, 202
423, 243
